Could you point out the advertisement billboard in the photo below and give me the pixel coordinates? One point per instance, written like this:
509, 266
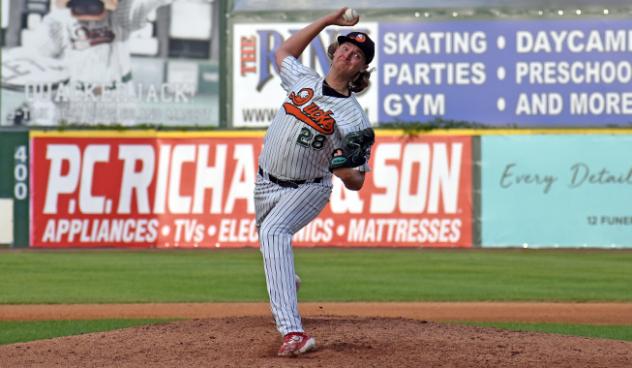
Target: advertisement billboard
136, 62
493, 72
556, 190
545, 73
257, 93
190, 190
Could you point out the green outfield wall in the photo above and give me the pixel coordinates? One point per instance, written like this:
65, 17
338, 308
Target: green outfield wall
14, 188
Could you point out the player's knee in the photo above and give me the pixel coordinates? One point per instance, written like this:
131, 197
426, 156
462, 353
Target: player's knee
274, 235
273, 229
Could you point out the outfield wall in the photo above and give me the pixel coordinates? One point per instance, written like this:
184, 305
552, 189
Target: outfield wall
14, 188
456, 188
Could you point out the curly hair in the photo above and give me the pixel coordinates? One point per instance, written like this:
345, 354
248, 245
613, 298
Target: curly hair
361, 80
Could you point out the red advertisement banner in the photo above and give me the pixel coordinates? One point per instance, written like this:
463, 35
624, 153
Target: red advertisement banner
103, 189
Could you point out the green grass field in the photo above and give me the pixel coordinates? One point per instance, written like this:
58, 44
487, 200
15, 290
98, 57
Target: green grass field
600, 331
154, 276
22, 331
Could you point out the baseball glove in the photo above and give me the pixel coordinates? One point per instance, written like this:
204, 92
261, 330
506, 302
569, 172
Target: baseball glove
355, 150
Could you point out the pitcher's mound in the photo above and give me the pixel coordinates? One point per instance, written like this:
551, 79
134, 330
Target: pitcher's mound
341, 342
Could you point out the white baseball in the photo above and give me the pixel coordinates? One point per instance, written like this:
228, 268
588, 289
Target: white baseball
350, 14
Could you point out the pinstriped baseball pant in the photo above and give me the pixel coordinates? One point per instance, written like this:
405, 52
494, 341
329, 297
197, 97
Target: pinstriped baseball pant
281, 212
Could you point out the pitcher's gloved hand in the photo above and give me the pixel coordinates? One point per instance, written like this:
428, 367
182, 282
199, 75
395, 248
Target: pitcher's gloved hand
355, 150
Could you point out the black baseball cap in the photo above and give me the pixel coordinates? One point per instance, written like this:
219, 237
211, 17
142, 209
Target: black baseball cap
86, 7
363, 41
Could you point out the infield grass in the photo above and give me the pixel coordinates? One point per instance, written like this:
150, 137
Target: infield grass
155, 276
23, 331
599, 331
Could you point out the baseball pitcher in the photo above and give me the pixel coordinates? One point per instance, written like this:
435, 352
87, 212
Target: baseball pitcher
319, 131
92, 39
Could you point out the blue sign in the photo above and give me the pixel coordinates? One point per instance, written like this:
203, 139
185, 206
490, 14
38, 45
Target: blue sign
556, 190
544, 73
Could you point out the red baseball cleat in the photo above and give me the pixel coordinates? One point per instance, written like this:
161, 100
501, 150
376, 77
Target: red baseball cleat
296, 343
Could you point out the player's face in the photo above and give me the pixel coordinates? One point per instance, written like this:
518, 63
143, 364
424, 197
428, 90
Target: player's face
349, 59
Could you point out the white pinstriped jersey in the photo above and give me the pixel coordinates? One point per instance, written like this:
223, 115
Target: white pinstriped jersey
309, 126
95, 52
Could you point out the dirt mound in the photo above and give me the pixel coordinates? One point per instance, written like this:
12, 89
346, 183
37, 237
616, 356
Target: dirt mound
342, 342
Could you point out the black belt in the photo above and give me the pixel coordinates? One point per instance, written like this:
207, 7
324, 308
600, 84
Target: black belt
288, 183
